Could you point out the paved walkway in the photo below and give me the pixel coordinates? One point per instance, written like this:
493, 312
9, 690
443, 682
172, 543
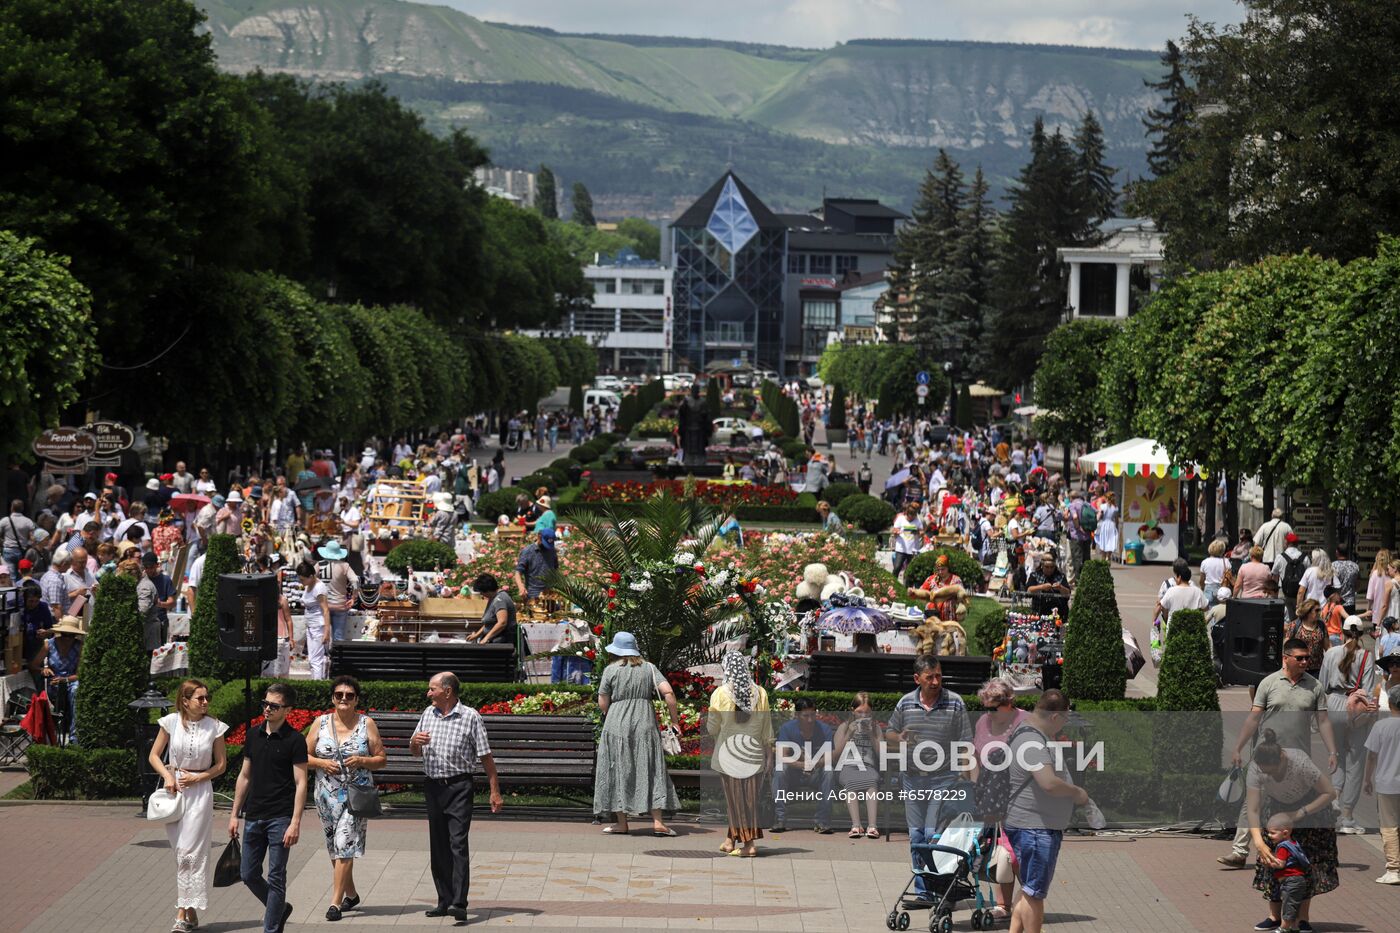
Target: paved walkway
69, 867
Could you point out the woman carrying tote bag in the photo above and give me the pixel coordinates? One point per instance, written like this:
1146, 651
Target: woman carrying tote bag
344, 747
196, 759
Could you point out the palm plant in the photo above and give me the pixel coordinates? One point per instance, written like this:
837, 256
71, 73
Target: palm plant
654, 582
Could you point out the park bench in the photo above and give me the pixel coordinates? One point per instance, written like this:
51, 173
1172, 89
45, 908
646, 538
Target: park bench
396, 660
540, 750
890, 673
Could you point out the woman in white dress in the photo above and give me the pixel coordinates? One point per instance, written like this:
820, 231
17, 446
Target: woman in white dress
1106, 535
317, 612
196, 759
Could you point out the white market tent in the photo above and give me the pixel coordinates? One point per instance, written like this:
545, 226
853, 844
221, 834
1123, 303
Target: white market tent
1139, 456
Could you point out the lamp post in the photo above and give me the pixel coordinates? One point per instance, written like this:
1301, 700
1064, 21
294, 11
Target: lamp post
146, 777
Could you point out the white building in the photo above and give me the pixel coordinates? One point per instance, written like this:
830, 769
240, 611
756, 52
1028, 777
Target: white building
1106, 280
630, 321
513, 184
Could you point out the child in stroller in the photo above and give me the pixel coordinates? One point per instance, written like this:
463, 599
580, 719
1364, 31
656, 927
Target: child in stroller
955, 867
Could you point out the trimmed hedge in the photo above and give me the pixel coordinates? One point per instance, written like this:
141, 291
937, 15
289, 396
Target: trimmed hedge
803, 511
205, 662
985, 625
423, 554
115, 668
1191, 739
963, 565
793, 448
548, 478
72, 773
868, 513
837, 492
492, 505
1095, 668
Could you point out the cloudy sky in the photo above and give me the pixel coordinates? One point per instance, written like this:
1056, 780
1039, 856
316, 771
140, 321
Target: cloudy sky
820, 23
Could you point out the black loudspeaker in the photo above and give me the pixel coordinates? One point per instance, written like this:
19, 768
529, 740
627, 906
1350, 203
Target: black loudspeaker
247, 616
1253, 642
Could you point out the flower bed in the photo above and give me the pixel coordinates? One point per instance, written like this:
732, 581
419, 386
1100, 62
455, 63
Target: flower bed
727, 495
655, 427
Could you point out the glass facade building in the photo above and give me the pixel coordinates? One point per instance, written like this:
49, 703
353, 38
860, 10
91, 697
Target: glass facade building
729, 256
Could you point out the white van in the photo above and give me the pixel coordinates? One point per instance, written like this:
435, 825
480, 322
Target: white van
602, 398
677, 382
608, 383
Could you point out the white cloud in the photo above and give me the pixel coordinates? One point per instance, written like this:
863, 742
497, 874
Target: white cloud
820, 23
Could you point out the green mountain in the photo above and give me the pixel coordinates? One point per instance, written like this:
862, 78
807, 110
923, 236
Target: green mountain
648, 122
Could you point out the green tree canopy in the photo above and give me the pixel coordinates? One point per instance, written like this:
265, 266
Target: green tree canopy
583, 206
1067, 381
546, 197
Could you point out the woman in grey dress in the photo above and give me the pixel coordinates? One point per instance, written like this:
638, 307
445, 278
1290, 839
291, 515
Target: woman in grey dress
631, 775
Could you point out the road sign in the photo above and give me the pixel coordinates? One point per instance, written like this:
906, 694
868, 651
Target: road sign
921, 391
922, 378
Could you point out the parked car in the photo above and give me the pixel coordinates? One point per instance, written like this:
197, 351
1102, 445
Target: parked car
677, 382
732, 431
608, 383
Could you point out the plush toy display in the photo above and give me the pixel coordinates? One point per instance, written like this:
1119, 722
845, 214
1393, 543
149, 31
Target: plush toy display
940, 637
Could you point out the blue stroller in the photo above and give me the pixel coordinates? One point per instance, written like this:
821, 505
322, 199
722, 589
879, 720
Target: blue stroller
955, 867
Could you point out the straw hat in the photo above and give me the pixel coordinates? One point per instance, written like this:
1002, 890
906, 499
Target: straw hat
70, 625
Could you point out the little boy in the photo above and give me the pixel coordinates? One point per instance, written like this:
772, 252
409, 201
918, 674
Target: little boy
1294, 876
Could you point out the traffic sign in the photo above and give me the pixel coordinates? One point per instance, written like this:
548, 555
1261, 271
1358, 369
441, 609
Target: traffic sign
922, 378
921, 391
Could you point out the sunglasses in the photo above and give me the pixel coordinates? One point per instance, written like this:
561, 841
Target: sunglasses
272, 707
342, 695
1296, 657
202, 698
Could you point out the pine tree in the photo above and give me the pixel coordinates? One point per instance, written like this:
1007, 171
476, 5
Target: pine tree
926, 268
1096, 195
546, 197
583, 206
903, 298
975, 260
1165, 125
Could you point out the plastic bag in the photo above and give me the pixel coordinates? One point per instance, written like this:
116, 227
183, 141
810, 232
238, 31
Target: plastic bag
228, 870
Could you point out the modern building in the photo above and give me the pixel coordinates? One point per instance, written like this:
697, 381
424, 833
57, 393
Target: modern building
515, 185
630, 321
771, 289
729, 253
1108, 280
845, 243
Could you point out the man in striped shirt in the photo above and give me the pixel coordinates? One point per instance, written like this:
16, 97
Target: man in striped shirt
451, 738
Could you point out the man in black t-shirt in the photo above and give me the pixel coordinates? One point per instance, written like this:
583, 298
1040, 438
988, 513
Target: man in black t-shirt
271, 794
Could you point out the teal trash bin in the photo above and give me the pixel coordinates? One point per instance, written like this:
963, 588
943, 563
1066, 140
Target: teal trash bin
1132, 553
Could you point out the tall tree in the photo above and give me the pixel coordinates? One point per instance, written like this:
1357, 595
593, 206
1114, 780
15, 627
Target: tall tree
583, 206
975, 257
1030, 286
546, 198
927, 278
1097, 195
1166, 124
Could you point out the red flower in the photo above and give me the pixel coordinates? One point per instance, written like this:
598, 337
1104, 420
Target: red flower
611, 592
597, 630
615, 577
777, 665
590, 654
612, 604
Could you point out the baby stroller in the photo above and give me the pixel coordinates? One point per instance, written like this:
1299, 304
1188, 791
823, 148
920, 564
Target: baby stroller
954, 868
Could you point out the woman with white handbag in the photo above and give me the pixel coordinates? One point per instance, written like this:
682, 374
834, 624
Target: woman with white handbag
194, 742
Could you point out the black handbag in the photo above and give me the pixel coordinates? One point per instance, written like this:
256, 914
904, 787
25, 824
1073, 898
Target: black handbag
228, 870
360, 800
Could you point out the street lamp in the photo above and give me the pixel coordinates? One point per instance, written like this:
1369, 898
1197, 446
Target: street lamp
146, 778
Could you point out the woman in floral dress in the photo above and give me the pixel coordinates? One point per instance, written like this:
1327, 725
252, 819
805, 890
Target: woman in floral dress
343, 747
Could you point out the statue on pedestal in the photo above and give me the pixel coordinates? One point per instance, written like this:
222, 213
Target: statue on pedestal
695, 427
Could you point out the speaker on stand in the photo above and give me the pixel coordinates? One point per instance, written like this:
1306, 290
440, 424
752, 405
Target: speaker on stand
247, 614
1252, 644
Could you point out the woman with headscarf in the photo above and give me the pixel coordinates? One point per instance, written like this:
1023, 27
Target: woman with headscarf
743, 756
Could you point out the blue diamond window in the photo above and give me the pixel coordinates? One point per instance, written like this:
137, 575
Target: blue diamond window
730, 221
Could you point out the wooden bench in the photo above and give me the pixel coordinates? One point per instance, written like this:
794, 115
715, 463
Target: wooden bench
547, 750
890, 673
397, 660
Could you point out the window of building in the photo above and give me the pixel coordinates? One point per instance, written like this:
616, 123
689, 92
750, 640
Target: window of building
1098, 288
604, 286
813, 342
645, 287
819, 314
729, 332
595, 320
797, 263
640, 361
847, 264
641, 321
819, 264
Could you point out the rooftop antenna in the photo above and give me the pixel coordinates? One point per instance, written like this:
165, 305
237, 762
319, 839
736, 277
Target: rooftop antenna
729, 163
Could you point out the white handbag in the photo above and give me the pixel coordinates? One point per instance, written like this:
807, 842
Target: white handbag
165, 807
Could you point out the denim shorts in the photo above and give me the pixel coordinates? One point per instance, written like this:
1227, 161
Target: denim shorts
1037, 851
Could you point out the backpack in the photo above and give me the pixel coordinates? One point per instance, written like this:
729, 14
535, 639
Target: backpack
1292, 575
1088, 518
1297, 858
992, 794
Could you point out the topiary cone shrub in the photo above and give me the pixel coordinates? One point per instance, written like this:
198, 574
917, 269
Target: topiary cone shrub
1095, 666
114, 669
1189, 735
221, 558
714, 402
837, 420
867, 513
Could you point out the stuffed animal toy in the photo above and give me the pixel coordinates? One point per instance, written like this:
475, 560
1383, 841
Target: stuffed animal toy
950, 593
814, 579
942, 638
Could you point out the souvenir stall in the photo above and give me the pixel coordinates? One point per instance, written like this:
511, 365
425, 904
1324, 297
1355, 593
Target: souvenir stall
1148, 485
1033, 650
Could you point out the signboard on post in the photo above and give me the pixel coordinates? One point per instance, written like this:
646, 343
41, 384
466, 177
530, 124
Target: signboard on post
921, 391
922, 378
65, 450
112, 438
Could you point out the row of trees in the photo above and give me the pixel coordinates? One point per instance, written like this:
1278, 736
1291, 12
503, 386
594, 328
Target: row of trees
1282, 368
173, 188
887, 372
985, 292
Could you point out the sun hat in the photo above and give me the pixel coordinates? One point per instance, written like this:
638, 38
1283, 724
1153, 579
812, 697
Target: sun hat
255, 493
218, 501
1387, 661
333, 550
125, 546
1223, 593
443, 501
545, 501
235, 496
153, 484
547, 538
70, 625
624, 645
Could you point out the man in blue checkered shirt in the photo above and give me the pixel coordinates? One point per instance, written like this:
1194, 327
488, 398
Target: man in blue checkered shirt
451, 738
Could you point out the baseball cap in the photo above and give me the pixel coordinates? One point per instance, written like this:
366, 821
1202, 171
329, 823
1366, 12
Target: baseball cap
149, 559
1353, 624
111, 477
25, 564
1291, 538
166, 477
153, 484
89, 495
